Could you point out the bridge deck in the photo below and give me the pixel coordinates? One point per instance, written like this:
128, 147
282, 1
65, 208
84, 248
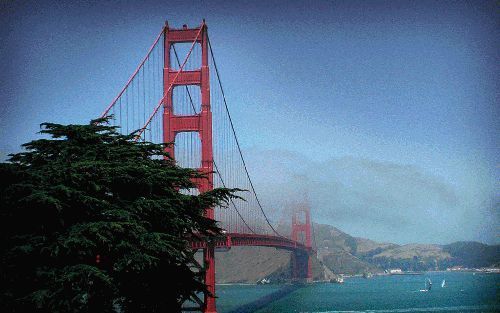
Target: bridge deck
235, 239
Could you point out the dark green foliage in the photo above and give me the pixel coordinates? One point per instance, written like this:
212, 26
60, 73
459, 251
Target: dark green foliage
473, 254
88, 194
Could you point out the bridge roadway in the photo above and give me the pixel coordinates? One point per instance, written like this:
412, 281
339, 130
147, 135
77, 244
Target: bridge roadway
235, 239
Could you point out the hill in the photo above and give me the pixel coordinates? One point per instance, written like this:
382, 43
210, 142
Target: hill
422, 257
340, 253
473, 254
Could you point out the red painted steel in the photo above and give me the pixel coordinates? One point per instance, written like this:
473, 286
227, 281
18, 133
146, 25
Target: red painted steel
300, 242
186, 78
167, 92
200, 123
301, 232
236, 239
105, 113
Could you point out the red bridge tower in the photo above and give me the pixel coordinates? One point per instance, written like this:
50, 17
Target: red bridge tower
301, 232
200, 122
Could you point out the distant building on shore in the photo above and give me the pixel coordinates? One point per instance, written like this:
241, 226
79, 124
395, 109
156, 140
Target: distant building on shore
395, 271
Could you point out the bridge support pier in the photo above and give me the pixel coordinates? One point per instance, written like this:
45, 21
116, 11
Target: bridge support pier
301, 232
301, 266
209, 265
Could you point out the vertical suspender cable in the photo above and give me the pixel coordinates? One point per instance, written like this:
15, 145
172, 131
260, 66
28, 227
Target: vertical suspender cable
236, 140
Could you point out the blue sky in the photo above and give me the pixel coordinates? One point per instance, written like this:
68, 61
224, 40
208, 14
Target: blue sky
385, 112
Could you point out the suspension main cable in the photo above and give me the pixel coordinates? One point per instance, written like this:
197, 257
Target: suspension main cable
215, 165
139, 133
239, 214
236, 139
105, 113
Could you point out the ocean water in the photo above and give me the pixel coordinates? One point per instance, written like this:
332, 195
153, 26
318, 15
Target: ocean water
464, 292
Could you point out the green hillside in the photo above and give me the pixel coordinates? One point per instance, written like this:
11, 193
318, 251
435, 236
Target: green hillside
340, 253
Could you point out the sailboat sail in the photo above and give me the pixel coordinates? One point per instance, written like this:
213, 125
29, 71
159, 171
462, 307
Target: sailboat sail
429, 285
443, 283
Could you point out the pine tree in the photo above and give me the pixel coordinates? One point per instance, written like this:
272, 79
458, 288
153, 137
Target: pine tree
92, 221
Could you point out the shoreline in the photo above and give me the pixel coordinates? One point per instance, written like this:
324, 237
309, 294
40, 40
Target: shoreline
361, 276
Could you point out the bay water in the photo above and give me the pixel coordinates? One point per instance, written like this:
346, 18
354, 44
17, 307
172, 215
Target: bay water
463, 292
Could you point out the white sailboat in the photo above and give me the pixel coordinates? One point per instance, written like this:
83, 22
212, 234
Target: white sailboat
443, 283
428, 285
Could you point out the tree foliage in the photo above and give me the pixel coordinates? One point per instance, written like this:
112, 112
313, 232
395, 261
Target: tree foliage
92, 221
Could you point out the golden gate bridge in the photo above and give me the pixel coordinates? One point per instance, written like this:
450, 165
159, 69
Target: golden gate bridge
176, 96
